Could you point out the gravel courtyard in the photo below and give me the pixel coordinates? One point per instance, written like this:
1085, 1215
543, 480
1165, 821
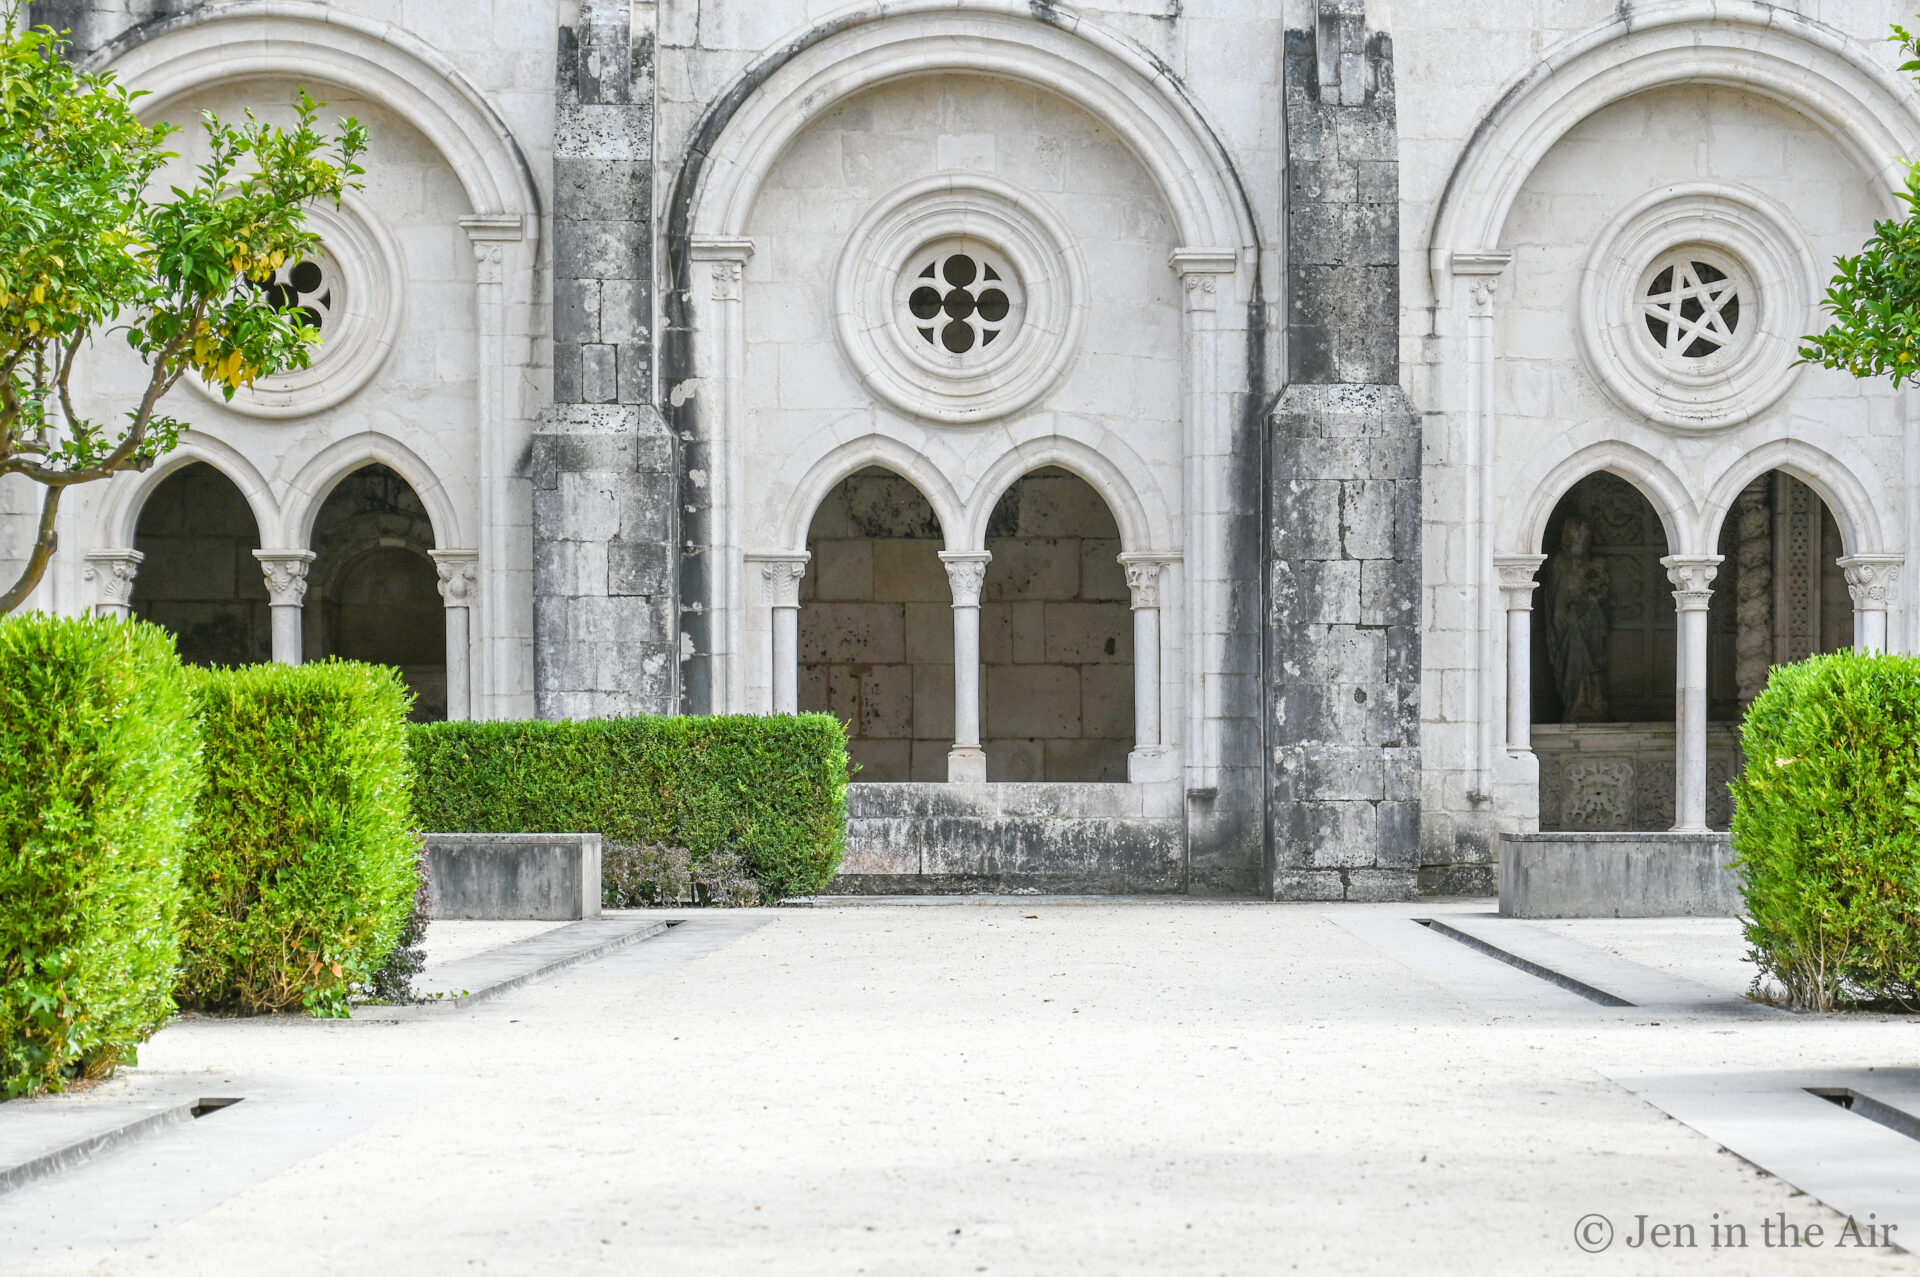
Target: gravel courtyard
1026, 1086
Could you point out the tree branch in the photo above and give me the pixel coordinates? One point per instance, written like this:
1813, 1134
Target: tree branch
43, 548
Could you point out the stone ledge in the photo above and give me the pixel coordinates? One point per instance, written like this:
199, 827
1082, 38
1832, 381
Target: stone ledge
1618, 875
543, 877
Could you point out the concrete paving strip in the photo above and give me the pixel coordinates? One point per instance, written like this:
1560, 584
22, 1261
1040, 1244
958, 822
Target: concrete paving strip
455, 986
1854, 1164
1493, 986
1642, 987
52, 1133
138, 1189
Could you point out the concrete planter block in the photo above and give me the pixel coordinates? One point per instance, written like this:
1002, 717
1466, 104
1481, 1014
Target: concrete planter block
544, 877
1618, 875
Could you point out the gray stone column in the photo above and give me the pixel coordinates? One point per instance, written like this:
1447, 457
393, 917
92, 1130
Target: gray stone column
1873, 580
966, 573
1150, 757
1517, 585
113, 571
1692, 576
607, 619
286, 572
458, 578
780, 577
1343, 525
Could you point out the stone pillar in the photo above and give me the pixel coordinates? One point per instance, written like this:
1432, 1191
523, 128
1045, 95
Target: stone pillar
1144, 572
719, 284
780, 577
1872, 580
1343, 475
966, 573
501, 586
1517, 585
1692, 576
609, 629
286, 591
458, 578
114, 571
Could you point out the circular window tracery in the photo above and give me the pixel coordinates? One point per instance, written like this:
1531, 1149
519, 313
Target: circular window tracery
1691, 306
349, 287
1691, 302
961, 299
309, 284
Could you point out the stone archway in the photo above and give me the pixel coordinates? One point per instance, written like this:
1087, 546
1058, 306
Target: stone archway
199, 578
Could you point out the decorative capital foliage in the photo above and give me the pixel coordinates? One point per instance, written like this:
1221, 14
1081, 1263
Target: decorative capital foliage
1874, 296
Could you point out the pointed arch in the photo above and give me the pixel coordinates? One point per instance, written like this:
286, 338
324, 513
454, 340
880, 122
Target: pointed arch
1872, 114
855, 455
318, 478
1831, 479
127, 494
1650, 476
1138, 529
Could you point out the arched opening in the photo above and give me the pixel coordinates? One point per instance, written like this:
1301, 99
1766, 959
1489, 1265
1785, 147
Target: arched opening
199, 578
876, 627
373, 593
1056, 635
1604, 642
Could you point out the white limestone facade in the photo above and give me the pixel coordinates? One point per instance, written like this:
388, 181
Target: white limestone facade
1155, 426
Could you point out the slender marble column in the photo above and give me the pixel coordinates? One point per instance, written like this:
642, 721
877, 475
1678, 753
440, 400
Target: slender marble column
780, 577
1517, 585
459, 583
286, 590
1872, 580
966, 573
1143, 581
114, 571
1692, 576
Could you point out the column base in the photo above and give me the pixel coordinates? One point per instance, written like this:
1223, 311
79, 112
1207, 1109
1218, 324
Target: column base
966, 765
1156, 762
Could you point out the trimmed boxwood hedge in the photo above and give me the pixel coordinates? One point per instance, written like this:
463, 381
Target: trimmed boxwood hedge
1827, 828
773, 789
301, 873
99, 767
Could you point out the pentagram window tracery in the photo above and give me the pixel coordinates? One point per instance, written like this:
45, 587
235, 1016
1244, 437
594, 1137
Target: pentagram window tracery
961, 299
1691, 306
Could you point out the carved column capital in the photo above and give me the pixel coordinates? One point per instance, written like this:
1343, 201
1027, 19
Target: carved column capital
1692, 576
490, 233
1200, 271
114, 572
459, 575
1481, 272
1872, 579
286, 572
1517, 578
780, 576
727, 259
966, 573
1144, 569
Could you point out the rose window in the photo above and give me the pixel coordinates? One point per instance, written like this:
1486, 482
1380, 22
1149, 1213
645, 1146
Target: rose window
1691, 307
961, 299
308, 285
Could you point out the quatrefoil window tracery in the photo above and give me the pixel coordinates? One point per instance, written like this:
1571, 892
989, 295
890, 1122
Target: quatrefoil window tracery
307, 284
1691, 307
961, 301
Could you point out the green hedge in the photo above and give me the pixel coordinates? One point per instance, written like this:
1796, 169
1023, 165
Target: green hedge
773, 789
301, 871
99, 767
1827, 829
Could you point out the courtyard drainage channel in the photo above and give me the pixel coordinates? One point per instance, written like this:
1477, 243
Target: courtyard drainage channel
112, 1129
1848, 1138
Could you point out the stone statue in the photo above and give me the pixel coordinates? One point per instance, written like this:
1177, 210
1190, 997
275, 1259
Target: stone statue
1577, 625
